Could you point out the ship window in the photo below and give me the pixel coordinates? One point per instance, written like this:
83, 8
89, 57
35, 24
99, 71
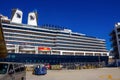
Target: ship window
42, 60
46, 61
38, 60
53, 60
12, 56
30, 60
50, 60
26, 61
34, 60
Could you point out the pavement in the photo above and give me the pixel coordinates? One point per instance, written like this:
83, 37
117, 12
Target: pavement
84, 74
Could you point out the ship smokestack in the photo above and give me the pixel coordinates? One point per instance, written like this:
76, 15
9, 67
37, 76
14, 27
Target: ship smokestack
17, 16
33, 18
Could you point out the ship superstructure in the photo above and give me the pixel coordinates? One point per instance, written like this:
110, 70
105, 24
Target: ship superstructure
48, 39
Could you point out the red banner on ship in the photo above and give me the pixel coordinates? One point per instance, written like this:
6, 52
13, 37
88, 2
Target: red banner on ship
44, 49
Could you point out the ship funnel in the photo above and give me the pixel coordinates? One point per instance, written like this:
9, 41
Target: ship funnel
17, 16
32, 18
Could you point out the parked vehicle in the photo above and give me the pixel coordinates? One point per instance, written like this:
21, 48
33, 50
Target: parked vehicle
40, 70
12, 71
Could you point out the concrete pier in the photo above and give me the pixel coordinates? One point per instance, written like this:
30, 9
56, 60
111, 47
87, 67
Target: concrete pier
84, 74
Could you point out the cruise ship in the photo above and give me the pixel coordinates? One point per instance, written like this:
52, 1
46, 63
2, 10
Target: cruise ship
47, 39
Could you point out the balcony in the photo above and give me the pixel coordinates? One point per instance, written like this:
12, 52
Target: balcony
10, 48
27, 49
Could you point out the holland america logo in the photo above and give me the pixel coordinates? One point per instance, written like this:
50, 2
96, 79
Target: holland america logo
31, 17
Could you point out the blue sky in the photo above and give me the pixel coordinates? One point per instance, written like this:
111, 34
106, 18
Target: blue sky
91, 17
